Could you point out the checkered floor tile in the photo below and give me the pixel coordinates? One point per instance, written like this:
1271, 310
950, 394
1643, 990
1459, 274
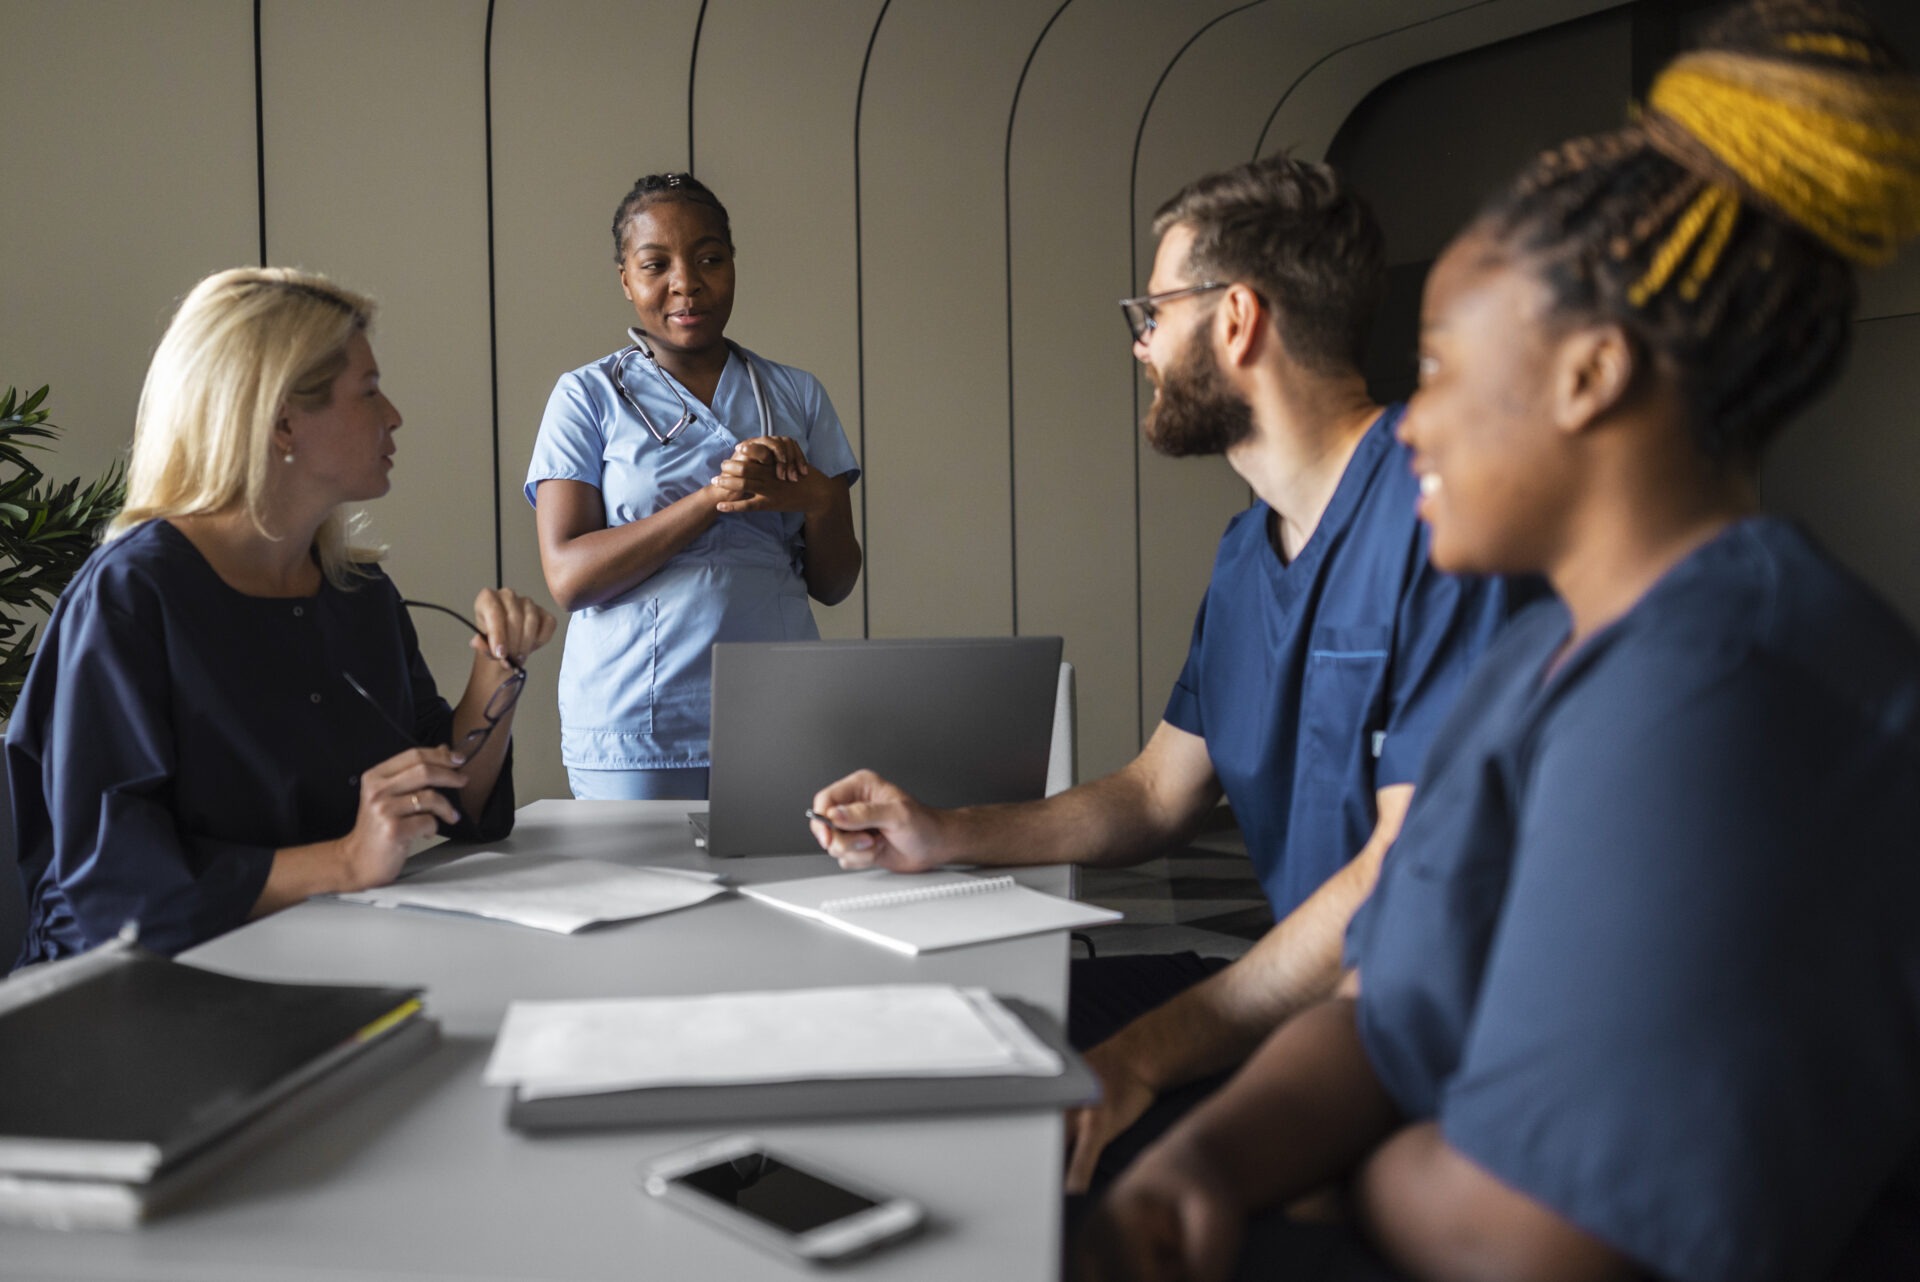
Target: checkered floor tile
1202, 899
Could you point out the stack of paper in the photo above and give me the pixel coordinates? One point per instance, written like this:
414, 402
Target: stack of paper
739, 1058
897, 1030
547, 892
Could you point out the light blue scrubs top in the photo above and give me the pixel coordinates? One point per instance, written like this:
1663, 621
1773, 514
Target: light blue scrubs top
635, 676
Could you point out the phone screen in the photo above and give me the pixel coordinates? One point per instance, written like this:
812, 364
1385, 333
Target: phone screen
778, 1194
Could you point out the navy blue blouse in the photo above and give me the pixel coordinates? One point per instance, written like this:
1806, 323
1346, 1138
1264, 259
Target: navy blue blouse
173, 733
1648, 947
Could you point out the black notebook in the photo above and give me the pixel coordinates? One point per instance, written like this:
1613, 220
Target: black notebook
121, 1064
61, 1202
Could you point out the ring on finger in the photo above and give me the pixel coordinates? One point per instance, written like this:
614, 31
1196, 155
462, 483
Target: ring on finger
414, 798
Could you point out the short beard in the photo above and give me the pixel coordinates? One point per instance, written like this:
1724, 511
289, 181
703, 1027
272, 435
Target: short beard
1195, 411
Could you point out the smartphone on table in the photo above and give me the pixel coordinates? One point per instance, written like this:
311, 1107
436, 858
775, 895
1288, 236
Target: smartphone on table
796, 1209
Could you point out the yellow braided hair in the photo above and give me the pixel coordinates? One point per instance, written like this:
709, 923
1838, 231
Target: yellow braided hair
1836, 152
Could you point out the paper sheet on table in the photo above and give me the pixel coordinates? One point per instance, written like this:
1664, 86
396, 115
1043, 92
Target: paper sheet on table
547, 892
895, 1030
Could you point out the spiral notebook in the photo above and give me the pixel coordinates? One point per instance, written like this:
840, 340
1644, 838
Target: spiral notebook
923, 912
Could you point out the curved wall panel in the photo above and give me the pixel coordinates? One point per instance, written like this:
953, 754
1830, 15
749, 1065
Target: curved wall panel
1069, 184
376, 176
776, 104
1308, 111
587, 96
932, 148
130, 182
1204, 118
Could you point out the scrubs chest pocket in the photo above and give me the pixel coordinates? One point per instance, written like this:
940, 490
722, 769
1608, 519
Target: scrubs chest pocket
1343, 707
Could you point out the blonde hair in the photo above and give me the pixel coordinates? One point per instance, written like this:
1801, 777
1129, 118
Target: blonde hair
245, 344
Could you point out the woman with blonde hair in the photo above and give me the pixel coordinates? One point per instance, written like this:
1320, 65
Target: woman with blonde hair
229, 711
1638, 992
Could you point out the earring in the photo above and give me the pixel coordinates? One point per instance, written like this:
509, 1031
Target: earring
287, 457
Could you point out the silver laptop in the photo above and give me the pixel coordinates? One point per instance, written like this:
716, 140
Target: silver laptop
954, 722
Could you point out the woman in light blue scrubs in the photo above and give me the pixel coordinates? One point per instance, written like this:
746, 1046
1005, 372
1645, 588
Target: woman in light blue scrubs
1637, 994
686, 491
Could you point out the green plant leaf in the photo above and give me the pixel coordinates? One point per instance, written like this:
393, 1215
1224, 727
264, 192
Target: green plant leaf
47, 531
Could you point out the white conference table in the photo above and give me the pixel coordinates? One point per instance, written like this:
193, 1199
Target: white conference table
421, 1179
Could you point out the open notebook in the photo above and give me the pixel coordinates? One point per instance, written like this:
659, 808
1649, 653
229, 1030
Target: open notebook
926, 911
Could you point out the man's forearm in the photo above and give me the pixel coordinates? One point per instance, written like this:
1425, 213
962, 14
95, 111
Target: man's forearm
1153, 804
1110, 821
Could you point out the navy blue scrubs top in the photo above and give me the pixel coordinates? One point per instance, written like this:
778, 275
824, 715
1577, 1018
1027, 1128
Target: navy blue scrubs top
1318, 682
1648, 946
173, 733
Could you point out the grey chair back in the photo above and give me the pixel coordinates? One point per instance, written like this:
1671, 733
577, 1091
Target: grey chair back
1063, 766
13, 895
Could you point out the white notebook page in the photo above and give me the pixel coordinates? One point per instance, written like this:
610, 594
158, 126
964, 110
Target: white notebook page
547, 892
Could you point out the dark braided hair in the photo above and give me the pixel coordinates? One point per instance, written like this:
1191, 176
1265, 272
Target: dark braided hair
652, 189
1720, 227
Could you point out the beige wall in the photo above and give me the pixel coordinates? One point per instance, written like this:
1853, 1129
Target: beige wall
937, 204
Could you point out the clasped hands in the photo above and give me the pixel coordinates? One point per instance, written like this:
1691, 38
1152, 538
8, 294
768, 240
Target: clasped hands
770, 474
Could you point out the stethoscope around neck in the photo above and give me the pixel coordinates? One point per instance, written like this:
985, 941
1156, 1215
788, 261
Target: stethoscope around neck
640, 347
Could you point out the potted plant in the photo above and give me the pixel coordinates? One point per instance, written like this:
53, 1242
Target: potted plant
46, 532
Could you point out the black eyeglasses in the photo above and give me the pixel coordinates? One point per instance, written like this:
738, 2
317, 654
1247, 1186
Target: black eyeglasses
1143, 313
498, 706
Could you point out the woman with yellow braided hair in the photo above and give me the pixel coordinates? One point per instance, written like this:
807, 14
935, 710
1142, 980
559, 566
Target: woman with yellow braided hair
1638, 991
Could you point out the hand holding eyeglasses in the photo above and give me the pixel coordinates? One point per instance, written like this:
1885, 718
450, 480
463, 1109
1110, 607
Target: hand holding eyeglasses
511, 626
514, 628
409, 795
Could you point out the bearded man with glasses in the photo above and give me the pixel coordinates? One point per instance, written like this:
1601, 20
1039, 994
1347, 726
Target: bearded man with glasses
1326, 653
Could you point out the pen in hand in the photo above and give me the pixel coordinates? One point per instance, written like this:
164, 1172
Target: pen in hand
813, 814
857, 839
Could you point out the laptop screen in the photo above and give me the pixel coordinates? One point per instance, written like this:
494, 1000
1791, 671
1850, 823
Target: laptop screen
953, 721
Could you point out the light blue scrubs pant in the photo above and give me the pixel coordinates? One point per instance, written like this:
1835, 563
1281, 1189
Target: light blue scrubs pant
639, 785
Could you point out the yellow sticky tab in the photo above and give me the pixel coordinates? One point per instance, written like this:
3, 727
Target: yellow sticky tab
404, 1010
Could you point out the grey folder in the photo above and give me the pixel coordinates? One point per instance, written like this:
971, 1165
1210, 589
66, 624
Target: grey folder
749, 1102
953, 721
